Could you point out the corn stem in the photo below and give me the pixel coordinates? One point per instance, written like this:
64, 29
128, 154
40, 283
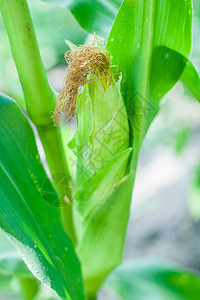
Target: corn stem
40, 99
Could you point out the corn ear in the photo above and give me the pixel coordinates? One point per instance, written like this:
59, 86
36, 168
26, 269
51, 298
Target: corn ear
102, 127
104, 186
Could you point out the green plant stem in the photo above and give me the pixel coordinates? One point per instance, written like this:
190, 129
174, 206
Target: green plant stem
29, 287
40, 99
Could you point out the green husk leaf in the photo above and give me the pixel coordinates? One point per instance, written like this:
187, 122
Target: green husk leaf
103, 233
97, 188
102, 128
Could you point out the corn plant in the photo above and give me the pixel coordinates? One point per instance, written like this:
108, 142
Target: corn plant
70, 230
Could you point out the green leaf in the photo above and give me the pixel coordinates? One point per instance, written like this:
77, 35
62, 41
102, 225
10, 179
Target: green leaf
103, 230
93, 15
103, 182
168, 66
150, 280
166, 69
30, 222
140, 27
191, 80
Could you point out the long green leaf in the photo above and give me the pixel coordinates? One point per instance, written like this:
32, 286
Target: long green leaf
150, 280
30, 222
139, 27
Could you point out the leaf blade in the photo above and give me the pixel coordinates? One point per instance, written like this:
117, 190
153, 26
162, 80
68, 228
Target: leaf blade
101, 232
153, 279
137, 29
191, 80
30, 222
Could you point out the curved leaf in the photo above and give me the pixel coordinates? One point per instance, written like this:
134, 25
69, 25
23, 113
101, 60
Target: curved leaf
93, 15
32, 225
139, 27
168, 66
191, 80
149, 280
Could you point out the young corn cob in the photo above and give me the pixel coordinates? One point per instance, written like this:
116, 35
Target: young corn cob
101, 144
92, 91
